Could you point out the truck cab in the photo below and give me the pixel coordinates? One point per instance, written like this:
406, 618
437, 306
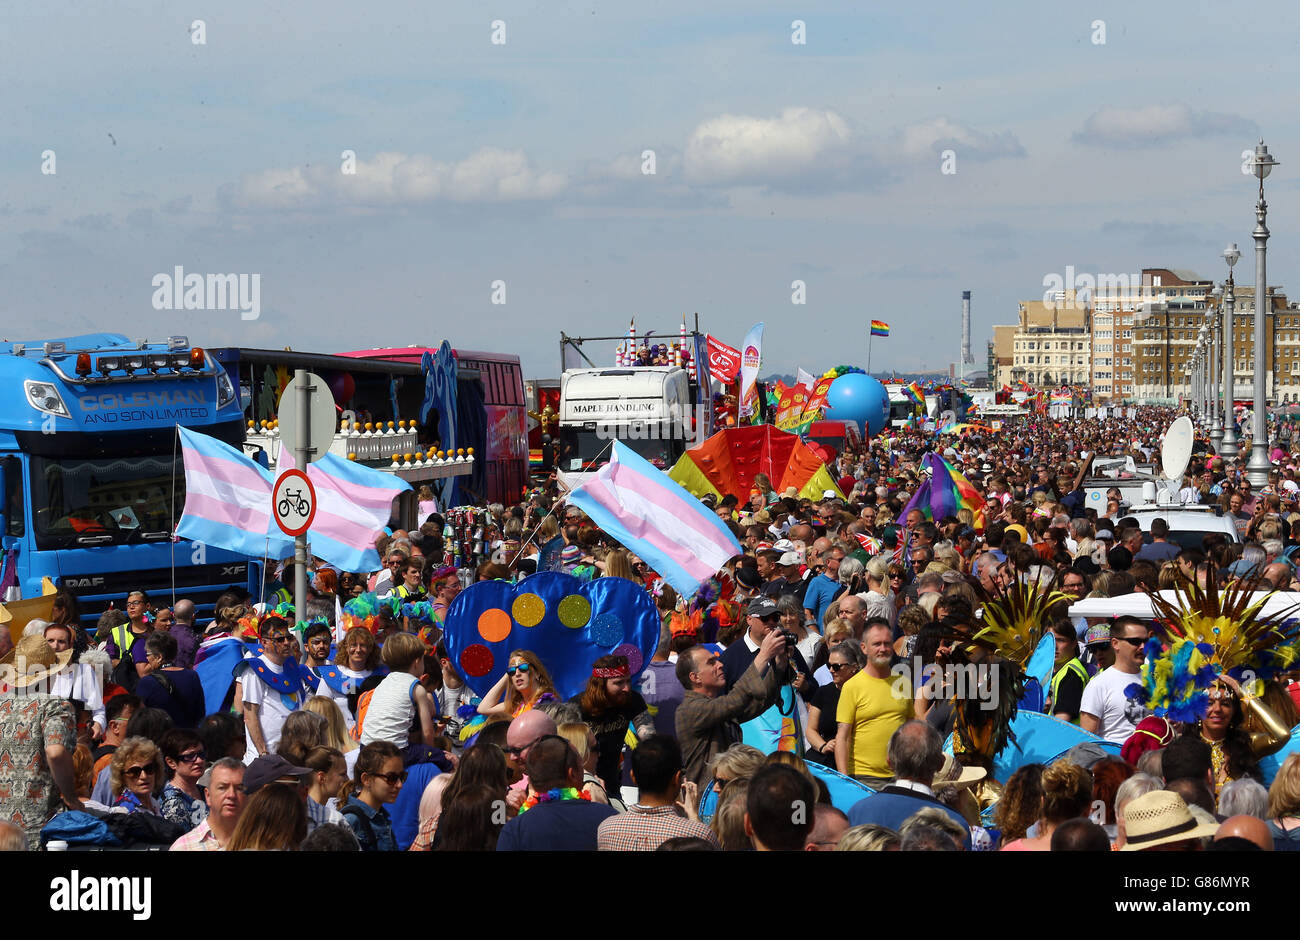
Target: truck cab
91, 471
648, 408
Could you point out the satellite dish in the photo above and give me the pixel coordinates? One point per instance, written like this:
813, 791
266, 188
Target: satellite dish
1177, 448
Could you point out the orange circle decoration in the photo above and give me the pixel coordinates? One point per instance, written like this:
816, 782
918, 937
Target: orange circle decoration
574, 611
528, 610
494, 625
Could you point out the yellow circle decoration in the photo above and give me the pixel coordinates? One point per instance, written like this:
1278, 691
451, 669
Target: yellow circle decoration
528, 610
574, 611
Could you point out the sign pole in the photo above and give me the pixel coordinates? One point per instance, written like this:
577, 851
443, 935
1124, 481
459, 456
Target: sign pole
303, 452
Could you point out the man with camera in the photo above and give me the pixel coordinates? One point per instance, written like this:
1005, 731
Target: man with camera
763, 618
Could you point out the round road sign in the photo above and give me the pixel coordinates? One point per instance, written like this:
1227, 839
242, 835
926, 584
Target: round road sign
293, 501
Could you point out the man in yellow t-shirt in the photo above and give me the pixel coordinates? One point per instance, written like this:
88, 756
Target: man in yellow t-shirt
873, 704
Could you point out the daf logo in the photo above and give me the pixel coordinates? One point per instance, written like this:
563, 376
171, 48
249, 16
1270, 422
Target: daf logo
83, 582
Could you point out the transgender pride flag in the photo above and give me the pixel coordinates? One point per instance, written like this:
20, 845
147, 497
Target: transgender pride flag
654, 517
227, 499
353, 506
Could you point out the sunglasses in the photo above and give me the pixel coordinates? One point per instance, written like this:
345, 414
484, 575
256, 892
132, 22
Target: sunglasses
1135, 640
278, 639
138, 771
518, 751
836, 667
522, 667
192, 756
392, 779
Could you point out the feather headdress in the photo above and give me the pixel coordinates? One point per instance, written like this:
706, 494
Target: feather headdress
1211, 632
1016, 618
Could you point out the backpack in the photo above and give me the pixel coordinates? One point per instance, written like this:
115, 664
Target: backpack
124, 673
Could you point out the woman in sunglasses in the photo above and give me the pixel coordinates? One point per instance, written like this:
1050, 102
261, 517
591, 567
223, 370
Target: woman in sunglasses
845, 661
186, 759
379, 776
136, 775
524, 685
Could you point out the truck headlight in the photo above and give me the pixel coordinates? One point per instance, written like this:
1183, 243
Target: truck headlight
225, 391
45, 398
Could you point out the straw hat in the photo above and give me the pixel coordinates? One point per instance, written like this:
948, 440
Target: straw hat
1158, 818
953, 774
32, 662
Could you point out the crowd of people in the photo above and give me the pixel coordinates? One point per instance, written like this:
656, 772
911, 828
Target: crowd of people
350, 727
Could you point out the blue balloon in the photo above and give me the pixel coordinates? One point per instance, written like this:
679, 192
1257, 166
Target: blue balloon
859, 398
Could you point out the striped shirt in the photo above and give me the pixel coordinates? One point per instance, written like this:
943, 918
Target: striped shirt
319, 814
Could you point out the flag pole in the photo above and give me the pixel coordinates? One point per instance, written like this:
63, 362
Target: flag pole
869, 335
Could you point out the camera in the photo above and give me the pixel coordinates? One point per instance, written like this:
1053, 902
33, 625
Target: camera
790, 639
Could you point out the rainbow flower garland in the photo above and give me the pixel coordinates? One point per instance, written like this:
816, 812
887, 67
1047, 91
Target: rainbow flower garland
558, 795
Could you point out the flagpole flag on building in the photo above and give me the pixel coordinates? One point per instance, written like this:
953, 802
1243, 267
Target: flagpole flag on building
655, 518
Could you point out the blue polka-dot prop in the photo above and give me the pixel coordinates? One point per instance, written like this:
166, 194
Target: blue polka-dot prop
569, 624
607, 630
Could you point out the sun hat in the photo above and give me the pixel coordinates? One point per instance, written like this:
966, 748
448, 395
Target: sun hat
1158, 818
32, 662
953, 774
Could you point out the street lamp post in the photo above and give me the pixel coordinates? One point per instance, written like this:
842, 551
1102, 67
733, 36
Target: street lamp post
1203, 357
1230, 447
1258, 466
1216, 425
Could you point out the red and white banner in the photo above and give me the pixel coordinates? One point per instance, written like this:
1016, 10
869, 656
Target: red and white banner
724, 361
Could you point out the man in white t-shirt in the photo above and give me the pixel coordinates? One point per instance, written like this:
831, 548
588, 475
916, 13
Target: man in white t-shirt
1105, 709
269, 687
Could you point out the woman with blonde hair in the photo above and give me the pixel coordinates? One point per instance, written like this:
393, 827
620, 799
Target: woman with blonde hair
1284, 801
619, 565
868, 838
583, 739
738, 762
136, 775
729, 821
336, 729
523, 685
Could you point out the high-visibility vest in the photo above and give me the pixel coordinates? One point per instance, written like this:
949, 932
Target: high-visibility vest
124, 639
1075, 667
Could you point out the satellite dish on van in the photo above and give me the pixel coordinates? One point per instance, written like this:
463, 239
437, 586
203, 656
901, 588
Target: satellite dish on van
1177, 448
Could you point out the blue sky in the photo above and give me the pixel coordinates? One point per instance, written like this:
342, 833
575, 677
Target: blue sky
521, 162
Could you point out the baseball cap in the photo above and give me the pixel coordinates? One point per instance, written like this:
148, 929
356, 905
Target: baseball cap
830, 494
761, 607
269, 768
789, 558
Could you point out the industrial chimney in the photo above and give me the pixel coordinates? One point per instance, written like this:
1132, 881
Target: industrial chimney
966, 358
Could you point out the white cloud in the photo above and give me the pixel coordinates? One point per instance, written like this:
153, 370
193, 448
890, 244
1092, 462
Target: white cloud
1155, 125
742, 149
929, 138
396, 179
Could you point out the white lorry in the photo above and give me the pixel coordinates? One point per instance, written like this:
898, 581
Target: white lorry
648, 408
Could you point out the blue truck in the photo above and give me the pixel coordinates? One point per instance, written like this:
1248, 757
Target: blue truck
91, 470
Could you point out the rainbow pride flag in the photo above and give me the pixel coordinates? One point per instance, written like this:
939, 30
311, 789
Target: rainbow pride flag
944, 492
916, 392
879, 328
